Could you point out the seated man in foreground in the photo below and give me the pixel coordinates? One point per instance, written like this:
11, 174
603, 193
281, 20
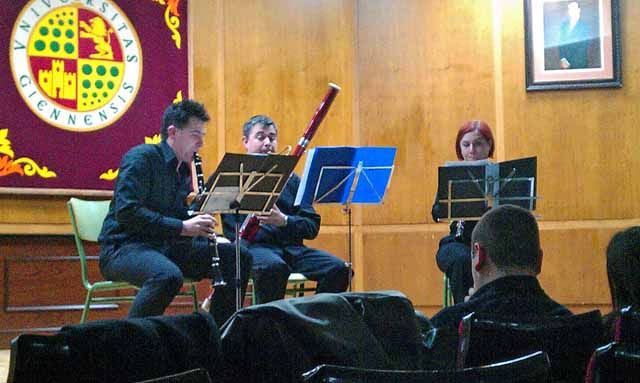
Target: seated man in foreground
505, 259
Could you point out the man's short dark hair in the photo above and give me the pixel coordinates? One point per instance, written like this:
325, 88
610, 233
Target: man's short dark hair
510, 237
623, 267
179, 113
257, 119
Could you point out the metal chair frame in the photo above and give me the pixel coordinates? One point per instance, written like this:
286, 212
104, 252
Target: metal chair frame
86, 221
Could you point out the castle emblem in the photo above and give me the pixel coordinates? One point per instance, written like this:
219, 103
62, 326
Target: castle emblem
77, 64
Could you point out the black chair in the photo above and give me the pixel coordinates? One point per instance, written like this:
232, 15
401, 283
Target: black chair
112, 351
278, 341
198, 375
41, 358
569, 342
628, 326
527, 369
613, 363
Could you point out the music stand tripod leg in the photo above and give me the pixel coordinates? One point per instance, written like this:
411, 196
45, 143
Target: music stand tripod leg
349, 263
238, 279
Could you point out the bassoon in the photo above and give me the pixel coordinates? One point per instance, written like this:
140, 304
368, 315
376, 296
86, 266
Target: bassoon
252, 224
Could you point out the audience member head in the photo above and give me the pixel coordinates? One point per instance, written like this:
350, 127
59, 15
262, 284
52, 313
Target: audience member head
260, 135
623, 268
505, 241
474, 141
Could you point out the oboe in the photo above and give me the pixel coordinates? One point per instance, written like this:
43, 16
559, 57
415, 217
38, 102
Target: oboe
252, 224
217, 278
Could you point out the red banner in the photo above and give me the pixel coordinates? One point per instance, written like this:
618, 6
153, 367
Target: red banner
89, 80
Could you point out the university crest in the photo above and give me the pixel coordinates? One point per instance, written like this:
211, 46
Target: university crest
77, 64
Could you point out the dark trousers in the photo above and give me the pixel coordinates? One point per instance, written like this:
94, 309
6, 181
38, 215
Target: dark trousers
272, 265
454, 259
159, 272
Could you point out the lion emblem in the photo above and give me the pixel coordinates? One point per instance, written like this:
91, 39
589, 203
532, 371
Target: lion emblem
101, 36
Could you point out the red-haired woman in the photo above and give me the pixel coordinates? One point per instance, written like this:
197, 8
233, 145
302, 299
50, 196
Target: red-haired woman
473, 143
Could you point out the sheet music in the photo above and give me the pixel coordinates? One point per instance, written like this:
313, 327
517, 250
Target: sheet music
221, 199
469, 163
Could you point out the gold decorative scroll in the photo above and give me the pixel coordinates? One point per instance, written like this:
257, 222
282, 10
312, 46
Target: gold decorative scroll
24, 166
112, 174
172, 19
109, 175
178, 97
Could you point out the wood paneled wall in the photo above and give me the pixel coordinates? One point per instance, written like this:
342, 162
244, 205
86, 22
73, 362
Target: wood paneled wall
411, 72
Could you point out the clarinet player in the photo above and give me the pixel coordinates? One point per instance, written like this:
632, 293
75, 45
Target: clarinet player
278, 247
148, 239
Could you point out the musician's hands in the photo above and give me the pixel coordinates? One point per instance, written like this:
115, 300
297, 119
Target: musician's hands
274, 217
200, 225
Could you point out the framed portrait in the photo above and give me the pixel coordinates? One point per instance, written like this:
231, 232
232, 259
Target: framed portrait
572, 44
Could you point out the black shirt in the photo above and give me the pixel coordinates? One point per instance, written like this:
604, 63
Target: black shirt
517, 297
149, 199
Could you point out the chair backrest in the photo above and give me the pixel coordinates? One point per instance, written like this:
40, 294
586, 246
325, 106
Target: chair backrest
612, 363
86, 221
628, 326
527, 369
123, 350
569, 341
87, 217
41, 358
198, 375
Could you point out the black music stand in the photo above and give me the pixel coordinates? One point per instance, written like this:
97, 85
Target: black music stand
244, 184
467, 189
346, 175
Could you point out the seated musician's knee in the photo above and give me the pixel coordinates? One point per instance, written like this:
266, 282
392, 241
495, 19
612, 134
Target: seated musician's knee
170, 282
336, 280
277, 271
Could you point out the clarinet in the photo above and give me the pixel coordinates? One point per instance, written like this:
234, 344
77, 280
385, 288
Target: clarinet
251, 225
218, 279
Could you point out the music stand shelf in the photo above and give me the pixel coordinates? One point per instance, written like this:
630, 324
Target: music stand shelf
469, 188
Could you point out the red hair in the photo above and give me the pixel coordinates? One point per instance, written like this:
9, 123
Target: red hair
474, 126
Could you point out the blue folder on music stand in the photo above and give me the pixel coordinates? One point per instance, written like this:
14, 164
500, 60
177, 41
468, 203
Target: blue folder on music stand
346, 175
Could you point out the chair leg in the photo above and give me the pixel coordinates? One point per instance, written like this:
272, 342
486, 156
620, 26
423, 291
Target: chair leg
253, 292
194, 296
447, 294
87, 305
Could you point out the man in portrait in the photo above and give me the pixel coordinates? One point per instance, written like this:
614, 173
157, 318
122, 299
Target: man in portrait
575, 37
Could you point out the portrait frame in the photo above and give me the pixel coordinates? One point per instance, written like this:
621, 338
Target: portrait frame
572, 44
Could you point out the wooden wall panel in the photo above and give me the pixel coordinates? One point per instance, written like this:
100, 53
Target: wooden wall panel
418, 80
21, 209
585, 140
42, 289
279, 58
206, 62
404, 260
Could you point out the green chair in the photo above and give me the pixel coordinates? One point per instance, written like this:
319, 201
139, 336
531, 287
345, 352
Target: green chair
447, 295
295, 287
86, 220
